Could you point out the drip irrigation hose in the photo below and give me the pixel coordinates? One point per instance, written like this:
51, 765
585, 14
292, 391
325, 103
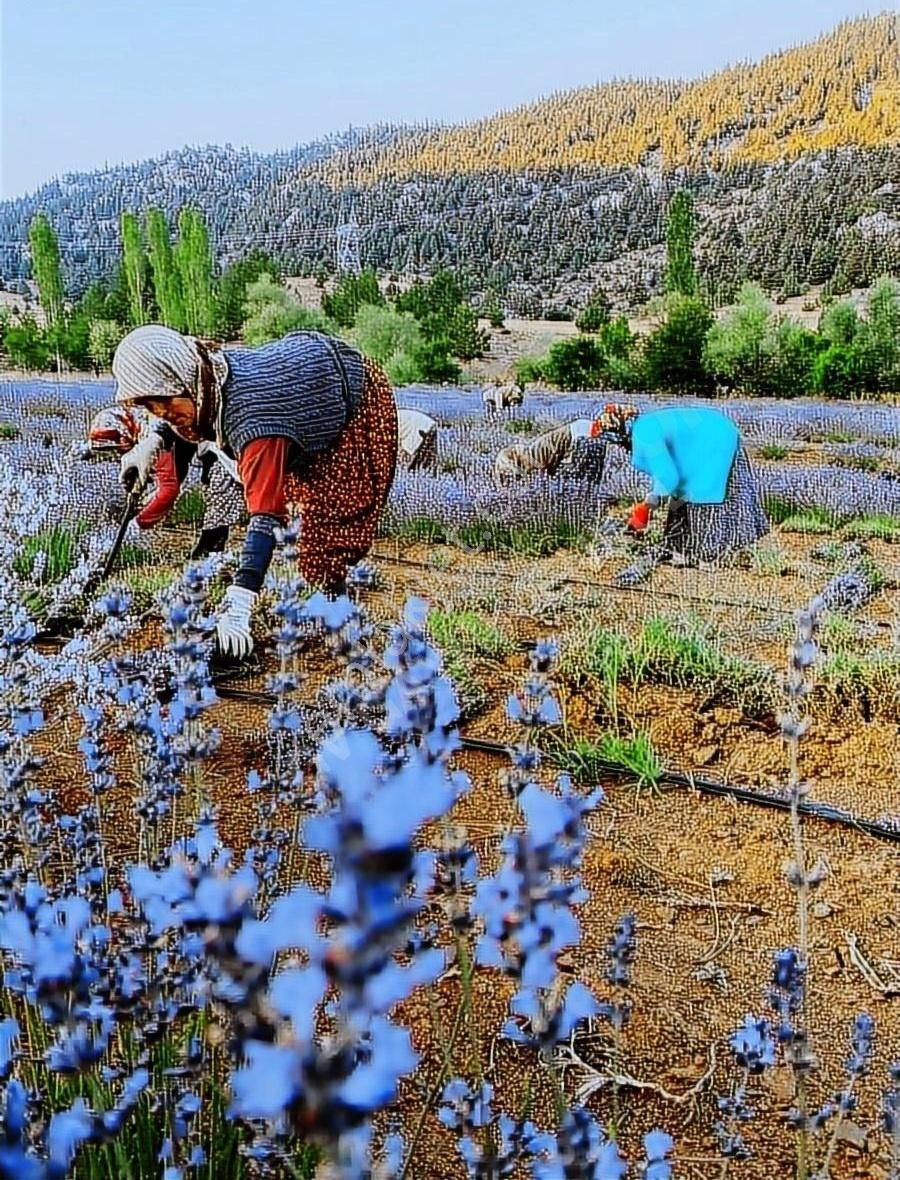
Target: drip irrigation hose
676, 778
763, 607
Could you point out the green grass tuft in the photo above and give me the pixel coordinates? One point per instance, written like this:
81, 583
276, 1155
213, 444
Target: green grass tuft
877, 528
60, 544
188, 507
590, 762
467, 633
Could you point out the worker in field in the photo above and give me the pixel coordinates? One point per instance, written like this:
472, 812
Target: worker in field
418, 437
312, 425
500, 395
695, 459
117, 430
565, 450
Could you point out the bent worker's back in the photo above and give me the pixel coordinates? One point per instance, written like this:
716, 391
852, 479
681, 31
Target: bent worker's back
688, 452
304, 387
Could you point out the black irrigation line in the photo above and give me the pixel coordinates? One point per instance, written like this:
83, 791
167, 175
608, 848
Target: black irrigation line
640, 589
222, 680
704, 786
675, 778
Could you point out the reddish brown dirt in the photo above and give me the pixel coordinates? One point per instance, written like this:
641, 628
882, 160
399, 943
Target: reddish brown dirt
704, 949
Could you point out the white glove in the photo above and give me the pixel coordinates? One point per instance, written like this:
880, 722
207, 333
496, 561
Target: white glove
210, 448
140, 459
233, 626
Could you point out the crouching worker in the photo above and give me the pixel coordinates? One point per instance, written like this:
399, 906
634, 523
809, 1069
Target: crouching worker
695, 458
418, 439
566, 450
499, 396
313, 426
117, 431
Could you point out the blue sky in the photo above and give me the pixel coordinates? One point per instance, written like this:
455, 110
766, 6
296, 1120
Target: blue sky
84, 82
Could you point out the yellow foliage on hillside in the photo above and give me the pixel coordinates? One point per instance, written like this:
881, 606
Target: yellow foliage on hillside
841, 90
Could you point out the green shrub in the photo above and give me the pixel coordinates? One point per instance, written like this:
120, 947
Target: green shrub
435, 362
103, 339
838, 371
381, 332
673, 352
25, 343
9, 431
595, 313
352, 292
530, 368
492, 310
271, 312
773, 451
575, 364
231, 293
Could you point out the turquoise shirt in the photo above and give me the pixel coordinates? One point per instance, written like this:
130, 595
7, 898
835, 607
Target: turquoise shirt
687, 451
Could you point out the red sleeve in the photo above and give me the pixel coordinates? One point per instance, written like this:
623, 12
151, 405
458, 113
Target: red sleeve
262, 467
168, 486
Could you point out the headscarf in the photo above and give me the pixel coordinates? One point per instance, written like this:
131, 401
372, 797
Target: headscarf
115, 428
158, 362
615, 423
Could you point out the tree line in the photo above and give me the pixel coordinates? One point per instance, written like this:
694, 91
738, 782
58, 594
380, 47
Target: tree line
420, 334
155, 281
542, 239
424, 332
752, 350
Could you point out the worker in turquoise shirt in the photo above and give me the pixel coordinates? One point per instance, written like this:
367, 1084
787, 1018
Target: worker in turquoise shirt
695, 459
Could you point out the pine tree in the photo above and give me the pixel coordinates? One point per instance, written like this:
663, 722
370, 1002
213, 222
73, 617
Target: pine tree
681, 275
46, 267
166, 280
134, 261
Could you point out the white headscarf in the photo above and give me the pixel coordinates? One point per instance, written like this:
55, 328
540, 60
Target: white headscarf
155, 361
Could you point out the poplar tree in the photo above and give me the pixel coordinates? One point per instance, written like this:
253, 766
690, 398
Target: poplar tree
166, 279
46, 267
193, 260
681, 275
134, 262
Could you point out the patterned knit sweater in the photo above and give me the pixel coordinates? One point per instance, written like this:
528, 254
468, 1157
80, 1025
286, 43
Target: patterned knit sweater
304, 387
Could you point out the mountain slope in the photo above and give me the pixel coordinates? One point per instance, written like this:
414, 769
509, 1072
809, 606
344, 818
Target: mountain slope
840, 90
544, 201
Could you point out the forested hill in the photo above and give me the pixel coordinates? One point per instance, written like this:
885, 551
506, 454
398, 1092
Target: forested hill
842, 90
794, 163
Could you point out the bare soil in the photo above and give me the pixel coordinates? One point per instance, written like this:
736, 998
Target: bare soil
702, 875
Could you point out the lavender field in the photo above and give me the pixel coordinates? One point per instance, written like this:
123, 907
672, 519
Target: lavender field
506, 865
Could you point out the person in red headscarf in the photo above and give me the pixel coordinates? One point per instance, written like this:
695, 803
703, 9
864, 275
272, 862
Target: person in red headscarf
117, 430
